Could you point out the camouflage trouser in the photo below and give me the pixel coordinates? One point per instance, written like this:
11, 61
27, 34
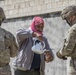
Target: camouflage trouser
5, 70
72, 67
71, 71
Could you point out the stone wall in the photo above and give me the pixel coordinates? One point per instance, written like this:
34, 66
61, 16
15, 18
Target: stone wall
20, 8
19, 14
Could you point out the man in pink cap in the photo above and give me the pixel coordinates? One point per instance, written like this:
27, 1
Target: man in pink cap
28, 62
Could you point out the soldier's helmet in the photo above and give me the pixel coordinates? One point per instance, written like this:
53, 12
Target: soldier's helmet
68, 11
2, 15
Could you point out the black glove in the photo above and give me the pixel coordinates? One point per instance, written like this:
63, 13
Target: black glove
60, 56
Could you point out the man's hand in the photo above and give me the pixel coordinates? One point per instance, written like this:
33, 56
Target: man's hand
39, 36
48, 56
60, 56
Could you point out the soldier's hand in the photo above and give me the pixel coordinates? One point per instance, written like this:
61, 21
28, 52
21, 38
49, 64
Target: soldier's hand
60, 56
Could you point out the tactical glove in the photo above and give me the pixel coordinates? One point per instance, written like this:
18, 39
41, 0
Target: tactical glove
60, 56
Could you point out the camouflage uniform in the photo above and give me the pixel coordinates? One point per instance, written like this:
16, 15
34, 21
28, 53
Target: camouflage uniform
10, 46
69, 47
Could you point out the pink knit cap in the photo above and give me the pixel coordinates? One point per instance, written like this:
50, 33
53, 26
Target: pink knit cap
36, 21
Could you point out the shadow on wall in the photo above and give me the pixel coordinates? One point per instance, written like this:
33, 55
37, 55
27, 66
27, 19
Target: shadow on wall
54, 30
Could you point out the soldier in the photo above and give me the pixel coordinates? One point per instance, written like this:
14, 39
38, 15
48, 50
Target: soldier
69, 47
8, 47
